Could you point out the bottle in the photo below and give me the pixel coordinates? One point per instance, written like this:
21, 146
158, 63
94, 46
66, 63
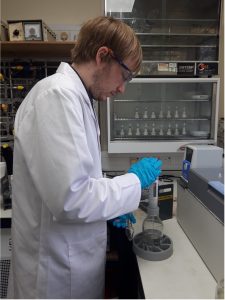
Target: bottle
138, 130
161, 113
136, 115
176, 130
176, 115
122, 133
152, 225
169, 132
129, 130
146, 130
168, 113
145, 114
184, 132
153, 132
153, 116
161, 130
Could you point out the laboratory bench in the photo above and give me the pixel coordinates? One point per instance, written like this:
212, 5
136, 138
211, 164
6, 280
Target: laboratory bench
183, 275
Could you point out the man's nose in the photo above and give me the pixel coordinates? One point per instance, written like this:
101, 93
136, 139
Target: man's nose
121, 88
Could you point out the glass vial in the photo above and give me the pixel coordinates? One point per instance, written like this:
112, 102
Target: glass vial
138, 133
145, 114
130, 130
136, 115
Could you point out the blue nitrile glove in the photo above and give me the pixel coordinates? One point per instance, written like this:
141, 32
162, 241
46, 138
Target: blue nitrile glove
122, 221
147, 170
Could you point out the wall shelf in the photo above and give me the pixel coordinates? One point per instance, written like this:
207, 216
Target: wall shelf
36, 49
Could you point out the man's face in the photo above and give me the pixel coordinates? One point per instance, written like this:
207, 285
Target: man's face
108, 81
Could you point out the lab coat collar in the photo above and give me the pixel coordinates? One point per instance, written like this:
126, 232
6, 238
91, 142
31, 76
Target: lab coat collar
66, 69
88, 92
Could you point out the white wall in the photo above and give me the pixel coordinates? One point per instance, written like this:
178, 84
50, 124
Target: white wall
68, 12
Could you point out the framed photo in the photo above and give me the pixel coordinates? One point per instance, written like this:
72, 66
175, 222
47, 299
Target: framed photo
33, 30
16, 32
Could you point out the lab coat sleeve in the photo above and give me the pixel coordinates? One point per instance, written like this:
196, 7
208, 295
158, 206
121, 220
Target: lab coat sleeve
61, 163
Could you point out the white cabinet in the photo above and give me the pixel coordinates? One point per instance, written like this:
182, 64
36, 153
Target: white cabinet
163, 115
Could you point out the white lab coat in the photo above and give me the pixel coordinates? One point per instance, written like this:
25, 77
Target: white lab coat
60, 200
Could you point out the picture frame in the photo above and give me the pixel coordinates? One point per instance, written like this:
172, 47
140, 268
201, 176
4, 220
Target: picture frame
33, 30
16, 31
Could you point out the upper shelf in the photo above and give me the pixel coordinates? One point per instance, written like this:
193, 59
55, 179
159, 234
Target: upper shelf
36, 49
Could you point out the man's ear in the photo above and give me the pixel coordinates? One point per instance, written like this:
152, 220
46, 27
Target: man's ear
101, 54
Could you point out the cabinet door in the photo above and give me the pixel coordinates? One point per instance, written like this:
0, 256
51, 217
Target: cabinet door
173, 31
173, 110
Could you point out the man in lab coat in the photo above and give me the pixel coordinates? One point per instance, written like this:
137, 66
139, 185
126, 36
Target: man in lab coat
61, 201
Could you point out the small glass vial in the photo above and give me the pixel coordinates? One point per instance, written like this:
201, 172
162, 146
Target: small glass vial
145, 114
136, 115
146, 130
161, 130
153, 132
138, 133
176, 130
153, 116
184, 131
169, 132
129, 133
122, 132
161, 113
168, 113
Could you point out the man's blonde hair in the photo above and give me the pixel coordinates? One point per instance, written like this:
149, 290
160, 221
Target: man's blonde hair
109, 32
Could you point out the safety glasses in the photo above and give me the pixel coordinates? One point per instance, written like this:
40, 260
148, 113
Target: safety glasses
129, 75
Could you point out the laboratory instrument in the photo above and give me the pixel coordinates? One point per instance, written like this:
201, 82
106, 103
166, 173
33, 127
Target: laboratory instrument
151, 244
201, 156
200, 204
152, 225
